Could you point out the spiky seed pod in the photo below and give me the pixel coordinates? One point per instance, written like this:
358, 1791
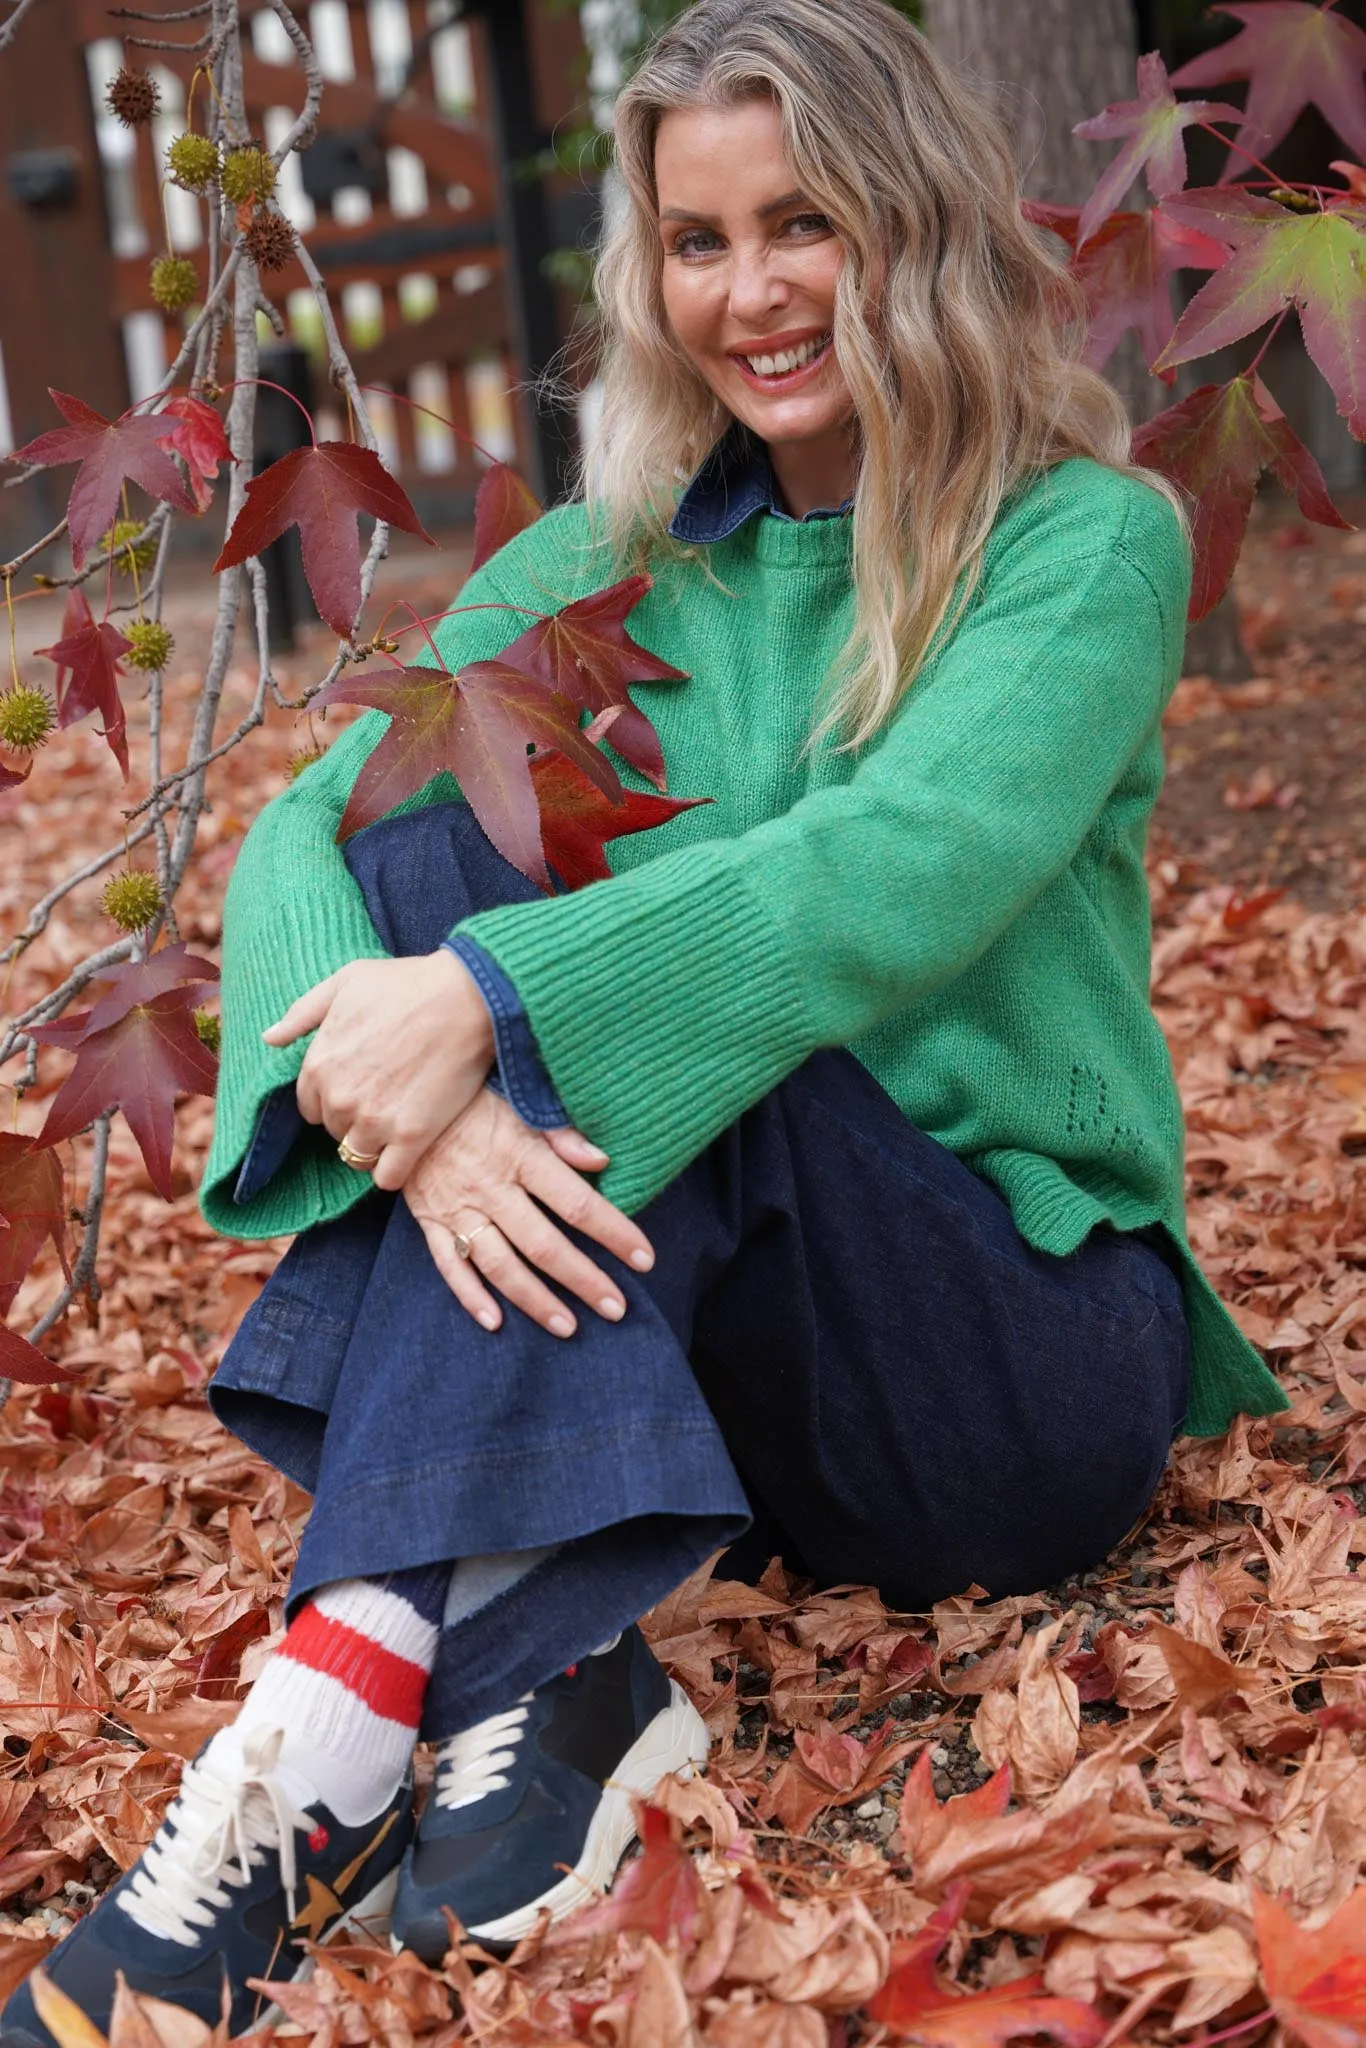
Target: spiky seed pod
133, 96
303, 758
26, 718
127, 557
175, 282
132, 899
192, 162
269, 240
247, 174
149, 644
208, 1030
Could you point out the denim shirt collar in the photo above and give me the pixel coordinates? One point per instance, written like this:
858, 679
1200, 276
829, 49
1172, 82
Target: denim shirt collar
734, 483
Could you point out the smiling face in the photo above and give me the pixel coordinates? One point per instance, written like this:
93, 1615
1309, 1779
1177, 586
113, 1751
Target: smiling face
750, 270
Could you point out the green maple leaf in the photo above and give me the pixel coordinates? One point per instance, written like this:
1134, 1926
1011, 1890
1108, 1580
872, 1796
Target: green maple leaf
1315, 262
1215, 444
1295, 56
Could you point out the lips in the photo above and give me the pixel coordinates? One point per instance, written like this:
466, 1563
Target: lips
783, 361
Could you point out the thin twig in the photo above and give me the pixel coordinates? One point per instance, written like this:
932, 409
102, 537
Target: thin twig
305, 126
8, 568
7, 32
174, 14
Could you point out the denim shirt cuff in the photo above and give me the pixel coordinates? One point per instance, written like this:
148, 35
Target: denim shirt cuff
278, 1124
522, 1075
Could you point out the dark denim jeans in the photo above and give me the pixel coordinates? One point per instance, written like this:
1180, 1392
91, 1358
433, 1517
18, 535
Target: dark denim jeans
843, 1338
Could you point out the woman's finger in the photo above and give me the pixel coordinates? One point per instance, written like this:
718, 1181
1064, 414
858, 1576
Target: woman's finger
570, 1199
459, 1274
576, 1150
530, 1231
304, 1015
504, 1269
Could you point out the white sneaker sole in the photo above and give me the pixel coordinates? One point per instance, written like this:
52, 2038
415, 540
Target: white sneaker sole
676, 1740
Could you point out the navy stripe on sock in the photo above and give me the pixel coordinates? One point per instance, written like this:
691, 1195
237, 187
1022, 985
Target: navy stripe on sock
423, 1586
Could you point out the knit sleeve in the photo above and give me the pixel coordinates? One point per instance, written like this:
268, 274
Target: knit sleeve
294, 914
667, 1000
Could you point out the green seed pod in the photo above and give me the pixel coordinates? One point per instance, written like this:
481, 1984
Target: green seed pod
297, 762
149, 644
133, 96
127, 557
192, 162
132, 899
209, 1030
26, 718
175, 282
247, 174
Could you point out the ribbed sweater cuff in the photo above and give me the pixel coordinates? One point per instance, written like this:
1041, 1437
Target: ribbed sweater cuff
662, 1007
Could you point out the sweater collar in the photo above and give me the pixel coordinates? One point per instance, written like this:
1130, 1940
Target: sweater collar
735, 481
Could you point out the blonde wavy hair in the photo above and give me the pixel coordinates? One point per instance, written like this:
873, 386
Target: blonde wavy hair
956, 327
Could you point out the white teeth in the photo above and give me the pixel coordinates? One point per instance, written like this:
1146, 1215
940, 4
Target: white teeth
790, 359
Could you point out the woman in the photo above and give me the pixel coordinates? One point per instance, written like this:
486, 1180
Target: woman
888, 1261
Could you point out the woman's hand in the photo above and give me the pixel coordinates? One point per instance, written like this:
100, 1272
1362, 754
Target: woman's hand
480, 1177
403, 1046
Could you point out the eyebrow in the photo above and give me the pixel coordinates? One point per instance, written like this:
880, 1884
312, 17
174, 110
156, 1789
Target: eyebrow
682, 213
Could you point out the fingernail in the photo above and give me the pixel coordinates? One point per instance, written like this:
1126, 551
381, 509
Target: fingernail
642, 1261
560, 1326
610, 1306
488, 1319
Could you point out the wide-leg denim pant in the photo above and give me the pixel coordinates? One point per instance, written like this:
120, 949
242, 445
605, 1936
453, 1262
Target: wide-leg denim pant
844, 1348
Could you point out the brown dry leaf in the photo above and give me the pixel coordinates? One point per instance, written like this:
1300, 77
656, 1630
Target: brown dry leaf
1037, 1728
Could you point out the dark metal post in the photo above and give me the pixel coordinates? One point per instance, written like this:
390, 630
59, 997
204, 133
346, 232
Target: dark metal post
517, 140
281, 426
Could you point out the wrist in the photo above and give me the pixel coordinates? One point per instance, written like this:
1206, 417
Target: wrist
471, 1012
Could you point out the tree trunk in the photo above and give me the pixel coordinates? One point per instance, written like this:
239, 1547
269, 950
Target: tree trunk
1047, 66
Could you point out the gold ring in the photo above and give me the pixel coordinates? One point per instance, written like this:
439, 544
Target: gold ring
360, 1161
465, 1238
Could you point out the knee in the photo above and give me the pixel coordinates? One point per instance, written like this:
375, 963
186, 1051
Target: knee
421, 873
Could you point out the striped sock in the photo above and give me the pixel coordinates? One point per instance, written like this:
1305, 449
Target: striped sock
346, 1686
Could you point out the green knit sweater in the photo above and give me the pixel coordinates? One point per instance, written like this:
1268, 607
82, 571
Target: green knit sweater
962, 904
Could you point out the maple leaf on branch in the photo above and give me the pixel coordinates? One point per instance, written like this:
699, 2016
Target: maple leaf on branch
88, 673
32, 1210
1155, 125
110, 453
136, 1050
1315, 1978
199, 440
22, 1361
1295, 55
322, 490
1216, 444
915, 2003
504, 506
1313, 261
585, 653
1125, 271
476, 726
577, 819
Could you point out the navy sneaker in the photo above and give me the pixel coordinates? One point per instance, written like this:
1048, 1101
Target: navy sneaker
532, 1810
247, 1864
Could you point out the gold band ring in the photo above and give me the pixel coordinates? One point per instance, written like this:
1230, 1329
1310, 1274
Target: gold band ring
465, 1238
360, 1161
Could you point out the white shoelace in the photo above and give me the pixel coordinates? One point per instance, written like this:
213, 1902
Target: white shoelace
473, 1764
227, 1813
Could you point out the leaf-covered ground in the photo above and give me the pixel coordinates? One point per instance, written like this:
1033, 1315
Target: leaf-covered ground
1093, 1800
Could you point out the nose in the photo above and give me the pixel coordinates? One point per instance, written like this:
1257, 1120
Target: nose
757, 288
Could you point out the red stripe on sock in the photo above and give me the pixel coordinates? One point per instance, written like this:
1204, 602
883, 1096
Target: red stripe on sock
389, 1685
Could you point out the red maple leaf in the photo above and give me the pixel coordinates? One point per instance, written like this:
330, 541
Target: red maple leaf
198, 438
1315, 1979
1295, 55
475, 726
914, 2001
10, 778
504, 505
1315, 262
321, 490
1155, 125
136, 1050
1215, 444
660, 1894
577, 819
32, 1207
586, 654
22, 1361
1125, 271
87, 657
110, 452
